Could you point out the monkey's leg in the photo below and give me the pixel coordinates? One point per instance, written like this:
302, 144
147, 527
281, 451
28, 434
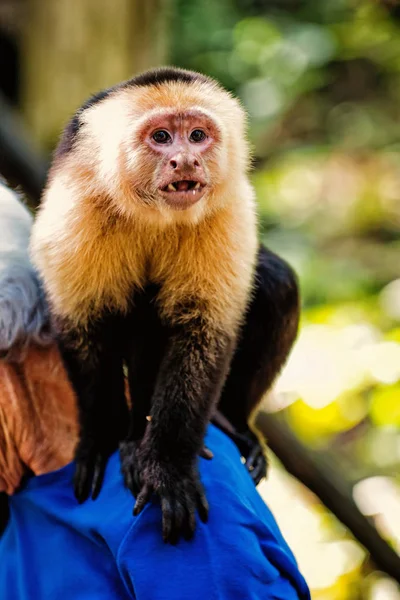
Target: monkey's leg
265, 341
188, 384
94, 365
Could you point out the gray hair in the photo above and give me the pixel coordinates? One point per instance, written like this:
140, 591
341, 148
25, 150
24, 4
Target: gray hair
24, 316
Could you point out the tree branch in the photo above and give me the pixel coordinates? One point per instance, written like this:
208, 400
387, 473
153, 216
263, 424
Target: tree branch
324, 479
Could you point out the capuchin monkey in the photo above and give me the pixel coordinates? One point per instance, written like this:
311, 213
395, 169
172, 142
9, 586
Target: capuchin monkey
146, 243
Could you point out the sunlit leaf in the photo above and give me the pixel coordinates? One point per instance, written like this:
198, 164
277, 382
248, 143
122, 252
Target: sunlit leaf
385, 405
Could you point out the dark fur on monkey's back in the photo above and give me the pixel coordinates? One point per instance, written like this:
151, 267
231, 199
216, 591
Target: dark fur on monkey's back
149, 78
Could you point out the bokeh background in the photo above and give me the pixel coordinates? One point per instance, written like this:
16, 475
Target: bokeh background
321, 83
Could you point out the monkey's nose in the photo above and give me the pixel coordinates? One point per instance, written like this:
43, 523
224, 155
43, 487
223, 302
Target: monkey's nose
184, 161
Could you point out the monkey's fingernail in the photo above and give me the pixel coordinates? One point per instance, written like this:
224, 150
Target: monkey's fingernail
148, 418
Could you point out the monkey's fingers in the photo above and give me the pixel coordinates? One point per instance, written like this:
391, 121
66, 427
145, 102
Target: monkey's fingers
131, 478
172, 519
257, 464
142, 499
130, 466
168, 520
259, 472
98, 475
189, 525
131, 481
191, 502
82, 480
201, 503
206, 453
178, 517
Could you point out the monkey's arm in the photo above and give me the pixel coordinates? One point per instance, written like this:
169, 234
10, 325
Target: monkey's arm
205, 288
188, 385
94, 365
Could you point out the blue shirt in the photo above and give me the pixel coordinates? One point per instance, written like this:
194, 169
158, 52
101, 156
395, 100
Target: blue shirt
53, 548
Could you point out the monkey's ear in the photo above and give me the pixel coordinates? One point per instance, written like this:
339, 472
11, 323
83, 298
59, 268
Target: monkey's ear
24, 317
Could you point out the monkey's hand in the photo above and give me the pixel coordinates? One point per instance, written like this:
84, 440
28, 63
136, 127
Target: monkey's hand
179, 491
91, 464
180, 494
128, 450
131, 467
23, 311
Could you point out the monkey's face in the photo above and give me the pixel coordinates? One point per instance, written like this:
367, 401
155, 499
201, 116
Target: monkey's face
171, 152
180, 148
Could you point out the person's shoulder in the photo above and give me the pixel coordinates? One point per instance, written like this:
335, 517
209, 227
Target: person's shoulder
226, 474
233, 499
238, 553
51, 497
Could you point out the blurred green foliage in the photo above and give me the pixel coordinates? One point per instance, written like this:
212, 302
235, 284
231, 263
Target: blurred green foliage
321, 83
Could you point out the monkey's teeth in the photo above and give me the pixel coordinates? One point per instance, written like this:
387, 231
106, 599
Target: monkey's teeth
171, 187
194, 192
197, 186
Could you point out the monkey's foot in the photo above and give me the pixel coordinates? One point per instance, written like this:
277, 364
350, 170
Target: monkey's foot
180, 495
257, 464
89, 472
254, 454
252, 449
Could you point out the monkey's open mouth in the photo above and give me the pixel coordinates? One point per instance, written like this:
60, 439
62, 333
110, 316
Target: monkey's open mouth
183, 186
182, 194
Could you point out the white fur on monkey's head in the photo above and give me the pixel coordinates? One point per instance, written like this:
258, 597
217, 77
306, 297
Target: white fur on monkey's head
23, 311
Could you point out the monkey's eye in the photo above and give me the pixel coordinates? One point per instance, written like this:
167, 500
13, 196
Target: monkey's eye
197, 136
161, 136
